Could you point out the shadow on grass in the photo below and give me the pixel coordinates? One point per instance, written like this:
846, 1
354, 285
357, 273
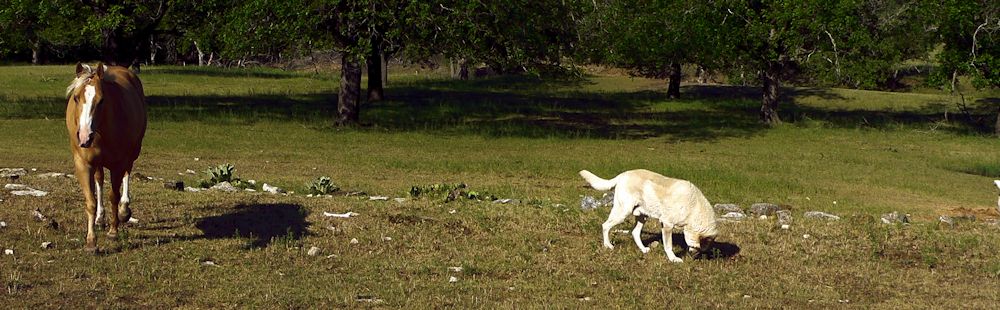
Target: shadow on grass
718, 250
261, 223
524, 107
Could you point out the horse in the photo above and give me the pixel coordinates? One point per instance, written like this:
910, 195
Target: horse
106, 122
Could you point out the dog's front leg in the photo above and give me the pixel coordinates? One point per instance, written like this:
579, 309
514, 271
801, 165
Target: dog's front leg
668, 243
637, 233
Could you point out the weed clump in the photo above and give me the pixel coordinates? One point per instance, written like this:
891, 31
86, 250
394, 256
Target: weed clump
451, 192
322, 186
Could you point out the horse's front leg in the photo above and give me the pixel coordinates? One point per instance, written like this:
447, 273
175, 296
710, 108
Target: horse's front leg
85, 175
120, 211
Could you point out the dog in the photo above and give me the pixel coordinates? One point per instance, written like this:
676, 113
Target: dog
674, 202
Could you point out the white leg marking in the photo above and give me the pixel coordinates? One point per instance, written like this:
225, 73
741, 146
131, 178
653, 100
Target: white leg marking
98, 188
125, 200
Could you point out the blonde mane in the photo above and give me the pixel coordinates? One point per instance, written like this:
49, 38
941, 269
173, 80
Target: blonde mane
81, 78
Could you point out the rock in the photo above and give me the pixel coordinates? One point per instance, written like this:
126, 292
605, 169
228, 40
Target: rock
589, 202
400, 200
313, 251
51, 175
386, 238
452, 279
12, 173
784, 217
947, 220
723, 208
455, 269
252, 182
225, 187
785, 226
379, 198
895, 217
342, 215
734, 216
193, 189
272, 189
209, 263
355, 241
15, 187
189, 171
30, 192
46, 245
503, 201
8, 252
764, 208
820, 215
3, 224
806, 236
174, 185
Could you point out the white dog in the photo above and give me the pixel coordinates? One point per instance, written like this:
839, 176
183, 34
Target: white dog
674, 202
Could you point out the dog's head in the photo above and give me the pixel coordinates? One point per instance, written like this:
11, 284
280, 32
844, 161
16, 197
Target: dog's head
698, 243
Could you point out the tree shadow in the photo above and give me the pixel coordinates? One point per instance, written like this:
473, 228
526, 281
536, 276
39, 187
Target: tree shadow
261, 223
217, 72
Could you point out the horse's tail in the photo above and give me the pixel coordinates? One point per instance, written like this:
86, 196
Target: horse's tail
597, 182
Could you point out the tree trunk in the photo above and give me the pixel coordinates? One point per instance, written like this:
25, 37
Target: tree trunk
771, 78
463, 69
996, 127
374, 60
36, 52
350, 90
674, 84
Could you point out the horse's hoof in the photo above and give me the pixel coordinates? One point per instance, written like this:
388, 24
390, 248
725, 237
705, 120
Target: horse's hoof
124, 215
112, 234
90, 249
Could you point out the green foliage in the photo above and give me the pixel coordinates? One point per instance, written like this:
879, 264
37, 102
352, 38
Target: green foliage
322, 186
451, 192
970, 31
221, 173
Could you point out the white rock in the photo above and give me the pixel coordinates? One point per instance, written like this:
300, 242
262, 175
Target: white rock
355, 241
455, 269
453, 211
503, 201
51, 175
378, 198
133, 220
452, 279
272, 189
209, 263
46, 245
225, 187
250, 190
196, 159
805, 236
386, 238
400, 200
189, 171
3, 224
8, 252
30, 192
313, 251
343, 215
12, 172
192, 189
785, 226
254, 182
15, 187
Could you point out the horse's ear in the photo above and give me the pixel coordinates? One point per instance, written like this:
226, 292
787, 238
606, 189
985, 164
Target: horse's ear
79, 68
100, 70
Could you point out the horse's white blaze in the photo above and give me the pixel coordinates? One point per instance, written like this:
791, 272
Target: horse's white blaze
125, 200
86, 115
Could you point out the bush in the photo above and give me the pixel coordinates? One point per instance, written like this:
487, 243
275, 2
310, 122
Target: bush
322, 186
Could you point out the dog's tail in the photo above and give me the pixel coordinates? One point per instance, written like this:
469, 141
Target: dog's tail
597, 182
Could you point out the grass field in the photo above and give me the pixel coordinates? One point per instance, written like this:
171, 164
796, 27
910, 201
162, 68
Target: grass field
856, 154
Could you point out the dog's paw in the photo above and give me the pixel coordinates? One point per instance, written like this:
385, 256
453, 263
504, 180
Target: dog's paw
609, 246
675, 259
644, 250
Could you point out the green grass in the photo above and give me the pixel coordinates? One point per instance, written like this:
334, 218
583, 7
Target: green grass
870, 152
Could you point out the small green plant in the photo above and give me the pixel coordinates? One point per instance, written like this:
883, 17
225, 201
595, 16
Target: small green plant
222, 173
322, 186
452, 192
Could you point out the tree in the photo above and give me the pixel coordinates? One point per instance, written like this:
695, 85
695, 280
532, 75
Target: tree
651, 38
853, 42
970, 31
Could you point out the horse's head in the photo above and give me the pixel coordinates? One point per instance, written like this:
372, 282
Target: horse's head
85, 96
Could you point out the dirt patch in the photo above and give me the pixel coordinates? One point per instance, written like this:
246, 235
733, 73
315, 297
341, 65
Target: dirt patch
979, 214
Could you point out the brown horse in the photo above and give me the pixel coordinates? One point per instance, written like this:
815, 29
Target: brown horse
106, 121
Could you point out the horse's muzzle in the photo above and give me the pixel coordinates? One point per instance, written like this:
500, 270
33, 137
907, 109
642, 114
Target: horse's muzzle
85, 138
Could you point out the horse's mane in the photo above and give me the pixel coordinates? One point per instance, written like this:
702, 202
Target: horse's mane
81, 79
